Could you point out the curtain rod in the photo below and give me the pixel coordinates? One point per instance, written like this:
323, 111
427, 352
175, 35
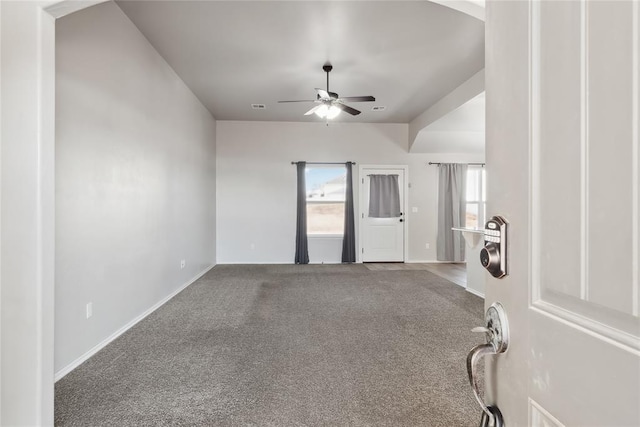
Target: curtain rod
474, 164
324, 163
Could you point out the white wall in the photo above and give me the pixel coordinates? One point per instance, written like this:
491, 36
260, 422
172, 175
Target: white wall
256, 184
135, 180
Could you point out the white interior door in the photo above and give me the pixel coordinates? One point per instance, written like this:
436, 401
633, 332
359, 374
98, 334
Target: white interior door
382, 239
562, 156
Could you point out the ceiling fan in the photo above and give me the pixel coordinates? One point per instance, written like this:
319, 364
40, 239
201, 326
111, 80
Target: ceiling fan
330, 104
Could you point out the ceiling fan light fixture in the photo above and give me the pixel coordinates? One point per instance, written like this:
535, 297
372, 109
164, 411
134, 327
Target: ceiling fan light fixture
322, 111
333, 112
328, 112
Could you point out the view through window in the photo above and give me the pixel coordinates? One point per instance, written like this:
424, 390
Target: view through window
326, 189
475, 197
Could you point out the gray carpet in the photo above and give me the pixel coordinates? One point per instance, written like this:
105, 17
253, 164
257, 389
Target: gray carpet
287, 345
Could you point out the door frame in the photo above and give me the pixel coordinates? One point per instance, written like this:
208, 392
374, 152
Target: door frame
27, 240
405, 206
32, 383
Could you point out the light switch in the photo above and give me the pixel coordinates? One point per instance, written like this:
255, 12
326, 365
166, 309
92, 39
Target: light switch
414, 210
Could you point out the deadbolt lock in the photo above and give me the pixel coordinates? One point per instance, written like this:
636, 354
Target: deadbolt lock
493, 256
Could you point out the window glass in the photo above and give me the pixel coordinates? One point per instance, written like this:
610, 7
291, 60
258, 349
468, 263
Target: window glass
326, 189
473, 187
475, 193
472, 215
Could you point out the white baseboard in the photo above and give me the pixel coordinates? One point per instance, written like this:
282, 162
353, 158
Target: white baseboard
433, 261
255, 263
476, 293
73, 365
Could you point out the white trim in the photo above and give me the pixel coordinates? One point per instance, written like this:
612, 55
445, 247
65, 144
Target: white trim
256, 263
534, 152
73, 365
591, 327
584, 152
35, 401
635, 161
326, 236
0, 218
540, 417
474, 292
474, 8
434, 261
67, 7
45, 211
40, 255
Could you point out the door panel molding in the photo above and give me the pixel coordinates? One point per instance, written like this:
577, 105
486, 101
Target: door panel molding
613, 336
635, 108
540, 417
570, 296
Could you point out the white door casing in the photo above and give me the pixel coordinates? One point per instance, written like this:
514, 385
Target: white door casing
382, 239
562, 156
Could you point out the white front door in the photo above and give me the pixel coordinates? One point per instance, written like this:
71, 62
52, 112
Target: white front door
562, 156
382, 239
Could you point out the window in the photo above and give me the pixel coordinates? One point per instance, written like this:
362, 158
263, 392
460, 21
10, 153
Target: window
326, 189
475, 197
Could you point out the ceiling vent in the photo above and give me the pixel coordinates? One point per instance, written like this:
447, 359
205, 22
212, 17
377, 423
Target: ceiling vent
258, 106
378, 108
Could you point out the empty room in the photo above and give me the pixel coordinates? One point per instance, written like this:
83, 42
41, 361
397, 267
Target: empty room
282, 213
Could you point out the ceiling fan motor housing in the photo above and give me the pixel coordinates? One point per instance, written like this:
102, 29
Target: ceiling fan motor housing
332, 95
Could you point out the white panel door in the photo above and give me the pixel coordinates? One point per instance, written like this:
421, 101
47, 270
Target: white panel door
562, 156
382, 238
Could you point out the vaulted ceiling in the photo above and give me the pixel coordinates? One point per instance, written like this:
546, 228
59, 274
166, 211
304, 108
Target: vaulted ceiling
233, 54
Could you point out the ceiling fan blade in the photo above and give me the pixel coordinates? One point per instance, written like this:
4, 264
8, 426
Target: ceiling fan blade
347, 109
302, 100
313, 110
323, 94
358, 98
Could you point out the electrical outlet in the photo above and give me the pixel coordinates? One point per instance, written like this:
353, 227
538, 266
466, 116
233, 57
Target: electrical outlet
427, 245
183, 264
89, 310
253, 246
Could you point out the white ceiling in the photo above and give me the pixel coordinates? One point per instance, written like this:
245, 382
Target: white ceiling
236, 53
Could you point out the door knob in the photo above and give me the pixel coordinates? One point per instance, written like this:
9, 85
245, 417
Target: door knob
401, 220
496, 330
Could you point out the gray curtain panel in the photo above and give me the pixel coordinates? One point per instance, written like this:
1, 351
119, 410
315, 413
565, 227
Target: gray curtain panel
451, 211
384, 196
349, 239
302, 246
